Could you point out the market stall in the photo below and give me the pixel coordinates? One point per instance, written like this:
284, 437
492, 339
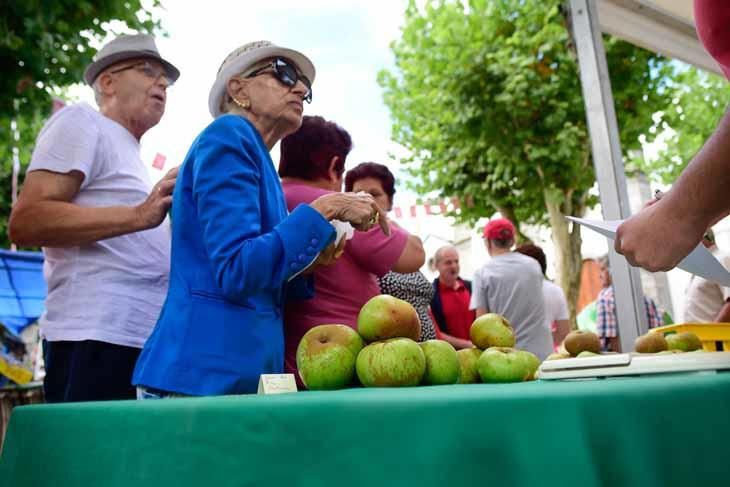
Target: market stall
649, 431
22, 292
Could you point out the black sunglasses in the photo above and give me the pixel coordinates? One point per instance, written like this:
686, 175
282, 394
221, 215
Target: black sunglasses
287, 74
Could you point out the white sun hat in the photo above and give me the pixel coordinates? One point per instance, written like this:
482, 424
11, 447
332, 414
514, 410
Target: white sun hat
247, 56
127, 47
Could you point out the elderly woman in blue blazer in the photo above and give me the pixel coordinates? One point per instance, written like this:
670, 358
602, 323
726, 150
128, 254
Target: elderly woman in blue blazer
237, 254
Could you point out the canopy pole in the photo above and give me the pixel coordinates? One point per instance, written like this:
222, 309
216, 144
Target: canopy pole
606, 149
16, 169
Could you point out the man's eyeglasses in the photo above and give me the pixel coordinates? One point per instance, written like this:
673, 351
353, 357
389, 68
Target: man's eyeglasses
287, 74
144, 67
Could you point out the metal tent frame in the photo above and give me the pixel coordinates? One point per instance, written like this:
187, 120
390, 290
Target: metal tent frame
666, 27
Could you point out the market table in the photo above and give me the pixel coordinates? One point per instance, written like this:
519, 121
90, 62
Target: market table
650, 431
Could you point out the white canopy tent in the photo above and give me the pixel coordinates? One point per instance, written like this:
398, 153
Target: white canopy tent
663, 26
666, 27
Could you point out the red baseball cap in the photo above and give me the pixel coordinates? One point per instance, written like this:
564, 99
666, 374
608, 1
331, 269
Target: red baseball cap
499, 229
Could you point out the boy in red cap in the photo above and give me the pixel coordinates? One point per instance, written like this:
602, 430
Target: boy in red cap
510, 284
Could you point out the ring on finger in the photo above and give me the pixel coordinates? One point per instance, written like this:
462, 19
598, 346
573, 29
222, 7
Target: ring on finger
373, 219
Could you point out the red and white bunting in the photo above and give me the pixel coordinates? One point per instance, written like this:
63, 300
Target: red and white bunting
159, 161
57, 105
427, 208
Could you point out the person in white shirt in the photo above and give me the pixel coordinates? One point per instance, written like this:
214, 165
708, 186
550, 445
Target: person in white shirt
557, 316
706, 301
88, 201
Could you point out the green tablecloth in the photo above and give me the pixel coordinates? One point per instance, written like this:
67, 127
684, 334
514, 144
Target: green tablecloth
659, 431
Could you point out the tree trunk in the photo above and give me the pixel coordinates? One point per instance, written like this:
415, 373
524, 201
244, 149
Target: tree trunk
567, 252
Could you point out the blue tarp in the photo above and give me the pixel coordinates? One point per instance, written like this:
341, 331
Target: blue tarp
22, 289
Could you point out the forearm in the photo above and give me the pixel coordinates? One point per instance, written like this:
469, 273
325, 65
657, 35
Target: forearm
480, 311
562, 329
412, 257
724, 315
457, 343
245, 263
700, 193
62, 224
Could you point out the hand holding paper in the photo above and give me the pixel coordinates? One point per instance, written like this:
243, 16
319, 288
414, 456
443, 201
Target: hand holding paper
700, 261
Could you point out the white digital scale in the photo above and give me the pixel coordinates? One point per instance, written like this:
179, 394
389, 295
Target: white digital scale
622, 364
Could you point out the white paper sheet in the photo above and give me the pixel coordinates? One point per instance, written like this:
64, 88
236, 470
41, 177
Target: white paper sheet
700, 261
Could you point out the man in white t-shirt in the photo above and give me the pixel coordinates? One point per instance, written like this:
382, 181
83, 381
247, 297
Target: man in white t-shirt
510, 284
557, 316
88, 201
708, 302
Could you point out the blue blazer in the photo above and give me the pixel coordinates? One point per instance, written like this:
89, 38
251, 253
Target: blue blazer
235, 250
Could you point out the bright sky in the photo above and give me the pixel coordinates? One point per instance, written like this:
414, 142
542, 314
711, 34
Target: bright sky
347, 41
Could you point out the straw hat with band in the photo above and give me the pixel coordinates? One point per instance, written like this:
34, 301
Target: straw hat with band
246, 57
127, 47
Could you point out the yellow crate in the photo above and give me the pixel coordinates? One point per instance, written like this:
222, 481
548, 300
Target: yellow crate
710, 334
15, 372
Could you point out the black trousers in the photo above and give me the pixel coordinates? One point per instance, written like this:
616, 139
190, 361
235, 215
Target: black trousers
88, 370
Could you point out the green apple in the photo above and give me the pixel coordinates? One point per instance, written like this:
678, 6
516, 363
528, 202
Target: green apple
581, 341
395, 362
326, 356
503, 364
533, 362
384, 317
442, 363
468, 358
586, 353
491, 330
687, 341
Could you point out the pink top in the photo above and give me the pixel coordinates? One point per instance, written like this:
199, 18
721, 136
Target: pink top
713, 28
340, 290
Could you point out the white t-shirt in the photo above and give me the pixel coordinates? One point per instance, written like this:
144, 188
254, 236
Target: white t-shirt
556, 306
111, 290
705, 298
511, 285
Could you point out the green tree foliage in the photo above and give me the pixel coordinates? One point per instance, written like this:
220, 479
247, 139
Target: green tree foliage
486, 96
698, 101
44, 47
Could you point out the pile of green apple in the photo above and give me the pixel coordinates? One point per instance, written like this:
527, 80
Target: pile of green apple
494, 358
384, 352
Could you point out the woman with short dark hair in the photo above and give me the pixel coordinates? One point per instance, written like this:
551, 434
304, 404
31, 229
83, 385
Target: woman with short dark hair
311, 165
377, 180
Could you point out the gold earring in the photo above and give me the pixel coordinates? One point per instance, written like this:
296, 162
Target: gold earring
245, 104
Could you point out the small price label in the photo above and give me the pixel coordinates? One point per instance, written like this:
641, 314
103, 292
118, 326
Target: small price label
277, 383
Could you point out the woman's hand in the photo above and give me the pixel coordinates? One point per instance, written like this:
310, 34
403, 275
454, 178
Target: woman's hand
359, 209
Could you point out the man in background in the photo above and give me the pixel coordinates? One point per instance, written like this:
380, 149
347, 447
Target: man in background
707, 301
510, 284
557, 316
450, 303
606, 327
